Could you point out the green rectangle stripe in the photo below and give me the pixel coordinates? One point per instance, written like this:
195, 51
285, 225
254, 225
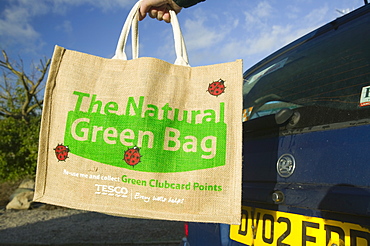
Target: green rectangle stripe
159, 145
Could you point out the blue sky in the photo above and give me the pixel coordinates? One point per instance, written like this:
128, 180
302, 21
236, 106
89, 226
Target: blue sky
215, 31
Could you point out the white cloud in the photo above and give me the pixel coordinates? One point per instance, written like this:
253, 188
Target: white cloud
261, 30
214, 31
264, 38
16, 18
66, 27
259, 14
205, 30
15, 26
263, 10
199, 36
206, 34
252, 49
316, 16
61, 6
292, 12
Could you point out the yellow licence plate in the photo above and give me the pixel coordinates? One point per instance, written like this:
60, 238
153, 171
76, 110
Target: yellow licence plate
260, 227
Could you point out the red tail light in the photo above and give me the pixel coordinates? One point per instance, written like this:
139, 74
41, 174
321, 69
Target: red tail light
186, 229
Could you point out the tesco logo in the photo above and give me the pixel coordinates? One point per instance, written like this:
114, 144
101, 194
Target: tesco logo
110, 190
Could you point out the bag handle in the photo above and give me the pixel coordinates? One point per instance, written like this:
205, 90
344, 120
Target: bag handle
132, 22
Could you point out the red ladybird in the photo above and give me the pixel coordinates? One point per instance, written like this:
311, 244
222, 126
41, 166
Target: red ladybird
132, 156
216, 88
61, 152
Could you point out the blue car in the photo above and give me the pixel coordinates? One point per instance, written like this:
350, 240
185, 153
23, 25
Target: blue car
306, 144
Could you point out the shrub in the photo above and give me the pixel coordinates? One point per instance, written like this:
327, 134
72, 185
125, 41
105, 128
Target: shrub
18, 147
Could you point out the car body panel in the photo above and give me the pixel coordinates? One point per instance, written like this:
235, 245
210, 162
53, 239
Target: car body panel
305, 116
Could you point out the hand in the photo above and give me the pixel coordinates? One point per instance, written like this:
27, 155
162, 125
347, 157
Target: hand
158, 9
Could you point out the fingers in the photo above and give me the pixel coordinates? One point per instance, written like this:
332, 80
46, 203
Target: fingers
166, 17
158, 9
160, 14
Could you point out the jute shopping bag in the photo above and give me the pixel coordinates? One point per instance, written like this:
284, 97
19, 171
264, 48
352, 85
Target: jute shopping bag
142, 137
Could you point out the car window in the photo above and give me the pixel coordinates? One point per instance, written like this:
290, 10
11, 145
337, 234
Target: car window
329, 74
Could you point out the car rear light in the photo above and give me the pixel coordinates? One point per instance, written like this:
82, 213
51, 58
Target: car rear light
186, 229
186, 232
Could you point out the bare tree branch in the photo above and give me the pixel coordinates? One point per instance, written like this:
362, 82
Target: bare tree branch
19, 93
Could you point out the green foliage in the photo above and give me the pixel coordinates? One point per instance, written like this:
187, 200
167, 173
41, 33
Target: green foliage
18, 147
20, 109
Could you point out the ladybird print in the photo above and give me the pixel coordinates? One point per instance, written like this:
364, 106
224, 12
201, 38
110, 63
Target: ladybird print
216, 88
132, 156
61, 152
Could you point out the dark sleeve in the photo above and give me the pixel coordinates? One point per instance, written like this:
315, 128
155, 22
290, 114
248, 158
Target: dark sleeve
187, 3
